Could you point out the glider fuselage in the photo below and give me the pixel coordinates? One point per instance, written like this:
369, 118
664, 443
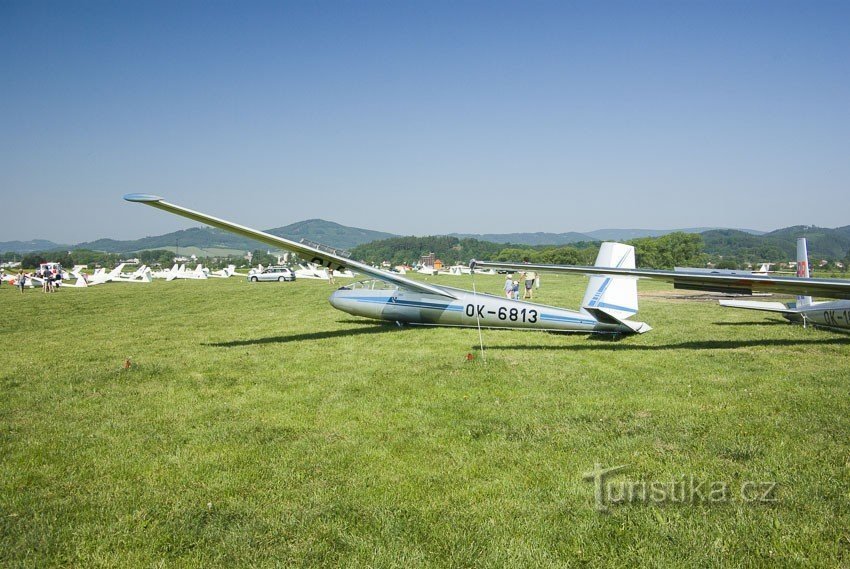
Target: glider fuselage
833, 314
468, 309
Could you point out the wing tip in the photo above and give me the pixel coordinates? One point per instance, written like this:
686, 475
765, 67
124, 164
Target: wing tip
142, 198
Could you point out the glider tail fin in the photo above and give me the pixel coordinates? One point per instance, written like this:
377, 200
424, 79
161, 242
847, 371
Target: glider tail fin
803, 269
617, 296
116, 272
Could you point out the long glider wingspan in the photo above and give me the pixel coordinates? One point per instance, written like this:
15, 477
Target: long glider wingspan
729, 281
330, 259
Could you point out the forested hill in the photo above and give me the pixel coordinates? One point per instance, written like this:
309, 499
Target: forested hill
318, 230
30, 246
539, 238
779, 245
730, 246
449, 249
725, 248
666, 251
570, 237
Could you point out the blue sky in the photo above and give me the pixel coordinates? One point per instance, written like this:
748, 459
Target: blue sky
424, 117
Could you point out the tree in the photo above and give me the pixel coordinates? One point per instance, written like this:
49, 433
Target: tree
516, 255
672, 250
10, 257
91, 258
32, 260
64, 259
151, 257
568, 256
260, 257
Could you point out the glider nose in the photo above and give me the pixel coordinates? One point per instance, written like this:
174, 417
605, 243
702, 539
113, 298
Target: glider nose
335, 300
340, 300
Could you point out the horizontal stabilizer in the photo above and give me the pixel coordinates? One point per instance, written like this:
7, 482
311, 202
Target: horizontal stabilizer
755, 305
606, 317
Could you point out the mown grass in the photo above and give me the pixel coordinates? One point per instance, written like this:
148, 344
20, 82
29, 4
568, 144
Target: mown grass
257, 425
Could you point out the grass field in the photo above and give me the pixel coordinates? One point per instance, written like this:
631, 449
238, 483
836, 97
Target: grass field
257, 425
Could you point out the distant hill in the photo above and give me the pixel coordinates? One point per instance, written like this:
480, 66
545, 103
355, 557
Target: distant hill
741, 244
207, 238
201, 237
30, 246
539, 238
330, 233
733, 243
823, 243
448, 248
626, 234
844, 231
569, 237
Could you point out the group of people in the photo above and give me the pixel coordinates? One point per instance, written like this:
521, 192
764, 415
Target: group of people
527, 280
50, 280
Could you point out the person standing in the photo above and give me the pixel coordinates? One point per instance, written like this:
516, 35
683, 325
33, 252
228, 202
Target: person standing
530, 276
515, 290
509, 286
22, 281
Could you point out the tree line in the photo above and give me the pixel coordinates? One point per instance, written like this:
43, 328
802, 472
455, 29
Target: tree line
674, 249
724, 249
152, 258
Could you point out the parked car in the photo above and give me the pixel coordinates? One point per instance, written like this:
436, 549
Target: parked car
279, 274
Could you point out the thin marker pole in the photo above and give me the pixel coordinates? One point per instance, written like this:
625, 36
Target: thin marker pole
478, 319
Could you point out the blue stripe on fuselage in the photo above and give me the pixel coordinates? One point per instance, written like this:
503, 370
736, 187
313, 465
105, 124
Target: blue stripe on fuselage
408, 303
571, 319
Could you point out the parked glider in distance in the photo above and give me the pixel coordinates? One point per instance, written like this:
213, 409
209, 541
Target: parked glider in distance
834, 314
608, 303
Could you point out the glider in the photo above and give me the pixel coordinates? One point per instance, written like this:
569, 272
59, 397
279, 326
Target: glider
834, 314
608, 305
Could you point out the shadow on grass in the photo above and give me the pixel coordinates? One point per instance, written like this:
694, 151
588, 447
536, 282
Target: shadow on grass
371, 329
363, 322
770, 322
696, 345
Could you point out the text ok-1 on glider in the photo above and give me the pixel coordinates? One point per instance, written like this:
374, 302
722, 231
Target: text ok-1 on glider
608, 303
